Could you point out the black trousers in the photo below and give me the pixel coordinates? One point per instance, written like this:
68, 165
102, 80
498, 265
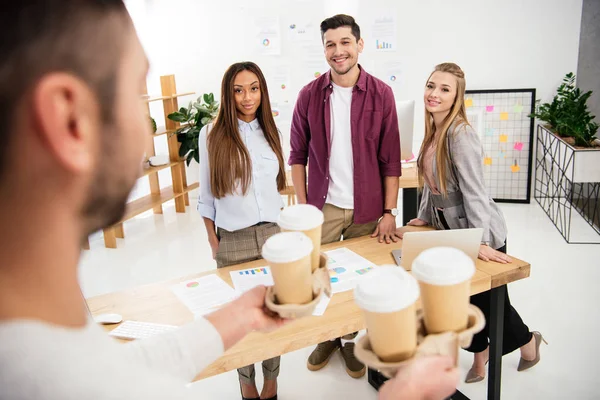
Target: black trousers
516, 333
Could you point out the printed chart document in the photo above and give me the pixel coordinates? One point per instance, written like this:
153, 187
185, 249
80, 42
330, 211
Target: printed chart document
247, 279
346, 268
204, 295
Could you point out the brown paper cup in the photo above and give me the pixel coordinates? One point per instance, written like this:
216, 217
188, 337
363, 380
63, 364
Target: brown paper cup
393, 335
445, 308
315, 236
446, 344
387, 297
321, 285
307, 219
293, 281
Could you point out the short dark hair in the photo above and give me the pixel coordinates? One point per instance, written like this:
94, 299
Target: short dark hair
337, 21
44, 36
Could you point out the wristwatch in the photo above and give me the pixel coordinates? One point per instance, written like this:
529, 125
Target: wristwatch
393, 211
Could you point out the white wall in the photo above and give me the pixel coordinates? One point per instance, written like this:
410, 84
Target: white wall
499, 44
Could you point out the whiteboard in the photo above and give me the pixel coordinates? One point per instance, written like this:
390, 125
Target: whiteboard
501, 118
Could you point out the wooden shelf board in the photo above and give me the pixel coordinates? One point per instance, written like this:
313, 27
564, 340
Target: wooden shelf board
152, 170
169, 132
149, 99
146, 203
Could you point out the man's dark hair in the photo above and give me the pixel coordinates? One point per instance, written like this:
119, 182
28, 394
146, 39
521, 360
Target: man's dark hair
337, 21
81, 37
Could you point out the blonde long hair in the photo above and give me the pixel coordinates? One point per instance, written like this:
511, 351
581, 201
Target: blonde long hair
457, 114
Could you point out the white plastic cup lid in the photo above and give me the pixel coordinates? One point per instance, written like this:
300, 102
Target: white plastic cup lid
300, 217
443, 266
287, 247
386, 289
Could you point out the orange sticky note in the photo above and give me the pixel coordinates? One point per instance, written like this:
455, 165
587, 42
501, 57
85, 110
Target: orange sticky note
504, 116
487, 161
503, 138
469, 102
515, 167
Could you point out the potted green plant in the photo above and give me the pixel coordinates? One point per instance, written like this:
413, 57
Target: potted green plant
193, 118
567, 172
572, 131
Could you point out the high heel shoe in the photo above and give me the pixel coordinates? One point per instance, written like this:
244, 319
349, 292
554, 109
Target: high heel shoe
526, 364
473, 377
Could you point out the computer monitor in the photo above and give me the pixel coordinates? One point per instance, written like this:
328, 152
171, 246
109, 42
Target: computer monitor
406, 119
413, 243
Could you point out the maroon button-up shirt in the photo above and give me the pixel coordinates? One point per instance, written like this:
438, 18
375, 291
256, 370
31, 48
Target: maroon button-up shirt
375, 141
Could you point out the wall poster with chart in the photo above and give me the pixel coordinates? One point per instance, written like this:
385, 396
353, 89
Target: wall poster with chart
500, 117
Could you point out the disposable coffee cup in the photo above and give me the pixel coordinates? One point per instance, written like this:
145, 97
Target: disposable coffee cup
387, 295
307, 219
288, 254
444, 275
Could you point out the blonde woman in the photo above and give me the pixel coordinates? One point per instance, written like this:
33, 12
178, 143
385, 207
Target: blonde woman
450, 167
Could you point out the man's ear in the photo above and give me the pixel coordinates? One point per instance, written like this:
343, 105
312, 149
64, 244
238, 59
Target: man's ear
361, 45
66, 116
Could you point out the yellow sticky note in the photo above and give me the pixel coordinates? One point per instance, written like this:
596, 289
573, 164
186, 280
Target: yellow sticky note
515, 168
503, 138
504, 116
487, 161
469, 102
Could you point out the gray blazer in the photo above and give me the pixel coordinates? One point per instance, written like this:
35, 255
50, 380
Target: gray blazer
468, 204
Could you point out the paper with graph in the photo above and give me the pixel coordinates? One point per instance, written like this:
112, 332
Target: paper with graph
346, 268
247, 279
204, 295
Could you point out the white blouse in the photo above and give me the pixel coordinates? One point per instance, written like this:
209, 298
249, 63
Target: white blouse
262, 202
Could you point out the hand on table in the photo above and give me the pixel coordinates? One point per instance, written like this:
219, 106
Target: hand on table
426, 378
386, 229
486, 253
412, 222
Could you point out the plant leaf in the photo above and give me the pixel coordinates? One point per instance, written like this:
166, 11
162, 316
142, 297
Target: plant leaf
177, 116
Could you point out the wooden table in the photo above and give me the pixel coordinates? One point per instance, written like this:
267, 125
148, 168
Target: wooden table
156, 303
408, 184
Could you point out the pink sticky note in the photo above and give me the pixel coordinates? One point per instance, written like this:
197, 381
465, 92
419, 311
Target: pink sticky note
518, 146
489, 108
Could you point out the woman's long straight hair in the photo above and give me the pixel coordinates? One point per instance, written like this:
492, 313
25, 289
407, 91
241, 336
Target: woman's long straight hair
229, 161
458, 114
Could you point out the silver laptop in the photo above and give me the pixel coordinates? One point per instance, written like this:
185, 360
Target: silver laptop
413, 243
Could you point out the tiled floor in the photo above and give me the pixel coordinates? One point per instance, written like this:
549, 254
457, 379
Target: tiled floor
560, 300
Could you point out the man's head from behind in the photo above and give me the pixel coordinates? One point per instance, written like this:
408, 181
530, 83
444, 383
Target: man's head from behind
342, 42
72, 124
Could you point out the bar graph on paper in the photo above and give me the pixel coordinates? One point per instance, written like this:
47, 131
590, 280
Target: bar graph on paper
383, 45
384, 32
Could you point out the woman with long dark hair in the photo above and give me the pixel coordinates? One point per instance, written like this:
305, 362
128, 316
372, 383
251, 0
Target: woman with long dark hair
241, 174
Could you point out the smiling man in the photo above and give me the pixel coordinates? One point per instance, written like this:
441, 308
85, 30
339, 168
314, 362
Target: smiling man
345, 125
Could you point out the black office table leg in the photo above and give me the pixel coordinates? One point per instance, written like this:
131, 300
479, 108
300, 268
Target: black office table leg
496, 328
410, 204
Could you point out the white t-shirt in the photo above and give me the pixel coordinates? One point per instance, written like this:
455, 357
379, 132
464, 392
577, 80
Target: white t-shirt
42, 361
341, 163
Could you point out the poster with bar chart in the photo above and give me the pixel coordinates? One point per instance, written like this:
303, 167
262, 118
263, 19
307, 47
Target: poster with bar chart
383, 45
384, 33
501, 118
